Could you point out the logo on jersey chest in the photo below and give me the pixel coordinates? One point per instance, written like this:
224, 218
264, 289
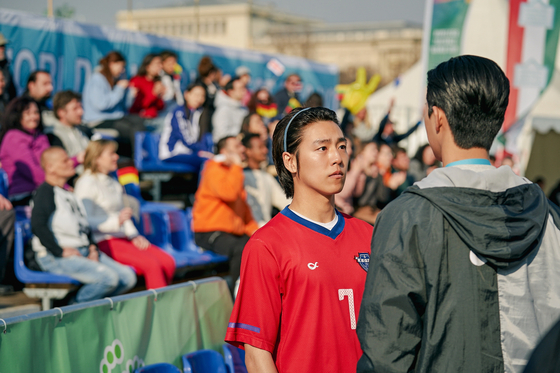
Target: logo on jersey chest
363, 260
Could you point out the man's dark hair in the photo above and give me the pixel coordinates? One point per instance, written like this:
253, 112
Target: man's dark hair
294, 138
192, 86
63, 98
229, 85
396, 150
33, 76
222, 143
246, 141
166, 54
473, 92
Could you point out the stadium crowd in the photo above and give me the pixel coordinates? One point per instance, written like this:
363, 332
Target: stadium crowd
238, 191
61, 152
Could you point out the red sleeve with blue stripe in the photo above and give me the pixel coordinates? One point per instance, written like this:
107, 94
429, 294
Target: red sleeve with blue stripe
255, 319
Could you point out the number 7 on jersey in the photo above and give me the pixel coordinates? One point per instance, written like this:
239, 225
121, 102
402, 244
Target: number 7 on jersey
350, 293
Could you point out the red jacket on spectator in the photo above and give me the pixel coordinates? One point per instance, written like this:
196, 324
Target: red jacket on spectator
146, 104
20, 154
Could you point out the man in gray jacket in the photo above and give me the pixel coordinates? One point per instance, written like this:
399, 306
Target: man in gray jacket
463, 275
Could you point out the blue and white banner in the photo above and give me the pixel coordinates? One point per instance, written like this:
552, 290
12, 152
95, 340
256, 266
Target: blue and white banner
71, 50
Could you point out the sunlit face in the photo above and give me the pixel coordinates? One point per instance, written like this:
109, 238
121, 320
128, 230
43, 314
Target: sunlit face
263, 96
168, 65
195, 97
107, 161
61, 165
42, 87
401, 161
322, 159
257, 152
234, 147
256, 125
369, 155
154, 67
72, 113
238, 91
385, 156
116, 68
246, 79
389, 129
293, 84
30, 117
361, 115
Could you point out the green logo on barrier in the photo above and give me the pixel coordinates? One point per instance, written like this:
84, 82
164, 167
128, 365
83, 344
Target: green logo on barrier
114, 355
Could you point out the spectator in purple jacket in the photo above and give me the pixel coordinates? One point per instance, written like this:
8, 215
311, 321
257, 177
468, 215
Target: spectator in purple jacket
22, 142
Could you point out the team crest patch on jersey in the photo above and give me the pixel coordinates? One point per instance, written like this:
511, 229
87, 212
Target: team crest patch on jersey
363, 260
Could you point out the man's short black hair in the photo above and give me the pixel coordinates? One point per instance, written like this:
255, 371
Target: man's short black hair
166, 54
473, 92
33, 76
222, 143
229, 85
246, 141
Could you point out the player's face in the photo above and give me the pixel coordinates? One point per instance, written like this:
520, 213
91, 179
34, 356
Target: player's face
322, 159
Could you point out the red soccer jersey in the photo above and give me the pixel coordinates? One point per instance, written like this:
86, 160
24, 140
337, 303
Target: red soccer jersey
300, 293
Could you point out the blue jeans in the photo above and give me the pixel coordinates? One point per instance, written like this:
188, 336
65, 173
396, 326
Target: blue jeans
105, 278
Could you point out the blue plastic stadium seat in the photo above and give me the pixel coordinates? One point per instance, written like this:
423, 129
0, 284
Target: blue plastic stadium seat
4, 183
146, 158
204, 361
155, 227
24, 274
158, 368
234, 358
182, 236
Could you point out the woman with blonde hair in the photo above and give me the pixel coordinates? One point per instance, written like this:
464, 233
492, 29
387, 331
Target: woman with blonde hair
113, 230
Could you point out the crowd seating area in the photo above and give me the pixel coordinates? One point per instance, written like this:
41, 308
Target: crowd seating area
163, 225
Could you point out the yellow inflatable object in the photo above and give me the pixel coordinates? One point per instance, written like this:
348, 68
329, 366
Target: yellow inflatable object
178, 69
355, 94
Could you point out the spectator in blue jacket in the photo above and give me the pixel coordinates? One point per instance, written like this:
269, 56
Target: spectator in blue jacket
105, 99
180, 138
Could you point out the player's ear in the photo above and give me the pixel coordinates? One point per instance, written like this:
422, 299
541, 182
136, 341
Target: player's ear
441, 119
290, 162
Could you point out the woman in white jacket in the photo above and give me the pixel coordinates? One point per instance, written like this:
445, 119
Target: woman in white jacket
114, 232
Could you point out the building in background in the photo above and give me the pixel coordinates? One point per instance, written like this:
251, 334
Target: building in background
386, 48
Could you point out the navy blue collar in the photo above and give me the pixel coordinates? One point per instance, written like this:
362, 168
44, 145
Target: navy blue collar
337, 229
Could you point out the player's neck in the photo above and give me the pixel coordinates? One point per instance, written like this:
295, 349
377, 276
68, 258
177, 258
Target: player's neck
314, 207
453, 153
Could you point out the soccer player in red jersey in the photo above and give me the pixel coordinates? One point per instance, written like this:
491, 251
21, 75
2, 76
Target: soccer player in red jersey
303, 273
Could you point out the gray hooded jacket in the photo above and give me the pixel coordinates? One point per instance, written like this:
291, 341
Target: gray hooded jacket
463, 275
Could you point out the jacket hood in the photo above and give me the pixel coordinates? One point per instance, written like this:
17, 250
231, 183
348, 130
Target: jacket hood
500, 216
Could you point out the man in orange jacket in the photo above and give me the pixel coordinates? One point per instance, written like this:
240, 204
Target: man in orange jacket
222, 220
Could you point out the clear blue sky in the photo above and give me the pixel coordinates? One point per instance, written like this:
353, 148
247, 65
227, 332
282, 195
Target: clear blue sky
103, 11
